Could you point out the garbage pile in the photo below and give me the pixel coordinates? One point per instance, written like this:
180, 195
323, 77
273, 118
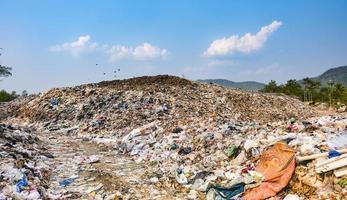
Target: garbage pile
124, 104
24, 173
31, 168
181, 139
12, 108
245, 159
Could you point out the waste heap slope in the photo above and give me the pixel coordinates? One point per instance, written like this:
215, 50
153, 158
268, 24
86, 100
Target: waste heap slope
12, 108
24, 169
171, 100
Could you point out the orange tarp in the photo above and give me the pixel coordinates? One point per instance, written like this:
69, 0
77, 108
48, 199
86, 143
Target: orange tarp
277, 164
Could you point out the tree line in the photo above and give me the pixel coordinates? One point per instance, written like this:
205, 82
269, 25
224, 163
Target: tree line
309, 90
6, 96
5, 71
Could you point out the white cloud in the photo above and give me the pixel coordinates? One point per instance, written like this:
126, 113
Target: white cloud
83, 44
145, 51
76, 48
245, 44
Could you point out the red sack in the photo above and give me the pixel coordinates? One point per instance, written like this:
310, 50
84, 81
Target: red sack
277, 164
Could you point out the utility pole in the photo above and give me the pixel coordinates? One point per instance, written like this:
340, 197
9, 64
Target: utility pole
331, 83
305, 92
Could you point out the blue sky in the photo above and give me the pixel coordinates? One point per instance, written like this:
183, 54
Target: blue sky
58, 43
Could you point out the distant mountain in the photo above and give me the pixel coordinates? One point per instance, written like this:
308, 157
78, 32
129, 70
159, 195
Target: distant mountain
337, 75
247, 85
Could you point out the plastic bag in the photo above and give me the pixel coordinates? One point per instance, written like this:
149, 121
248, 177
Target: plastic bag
277, 164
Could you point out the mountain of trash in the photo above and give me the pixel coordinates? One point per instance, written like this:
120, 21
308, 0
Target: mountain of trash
23, 159
114, 105
164, 137
12, 108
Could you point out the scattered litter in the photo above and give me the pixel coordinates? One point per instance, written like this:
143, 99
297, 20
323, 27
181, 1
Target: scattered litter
338, 142
92, 159
164, 137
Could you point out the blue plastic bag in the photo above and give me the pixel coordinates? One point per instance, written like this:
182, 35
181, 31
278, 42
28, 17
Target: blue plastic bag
333, 153
66, 182
21, 184
225, 193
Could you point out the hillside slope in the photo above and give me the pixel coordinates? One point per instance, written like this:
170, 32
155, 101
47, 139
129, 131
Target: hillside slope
247, 85
337, 75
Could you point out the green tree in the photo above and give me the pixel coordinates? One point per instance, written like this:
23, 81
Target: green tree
5, 71
311, 88
24, 93
338, 93
324, 93
311, 91
271, 87
14, 94
4, 96
293, 88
